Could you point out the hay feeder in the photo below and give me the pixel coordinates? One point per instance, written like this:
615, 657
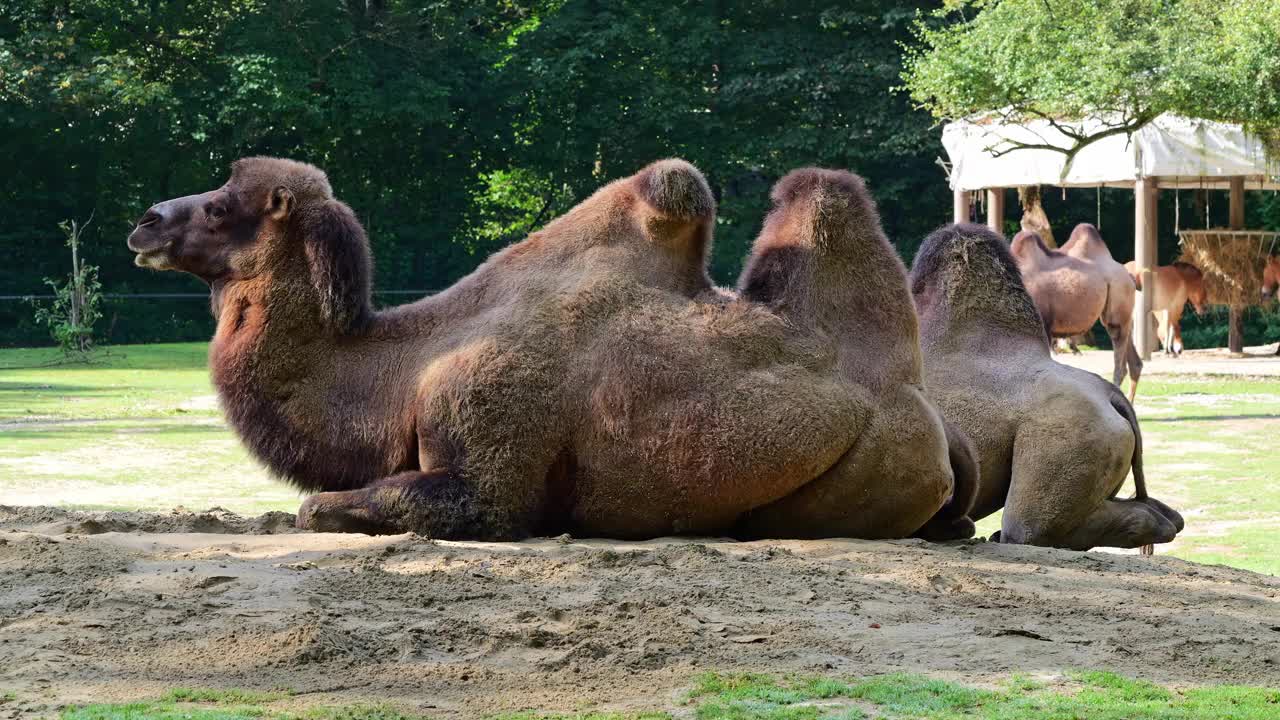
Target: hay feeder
1232, 261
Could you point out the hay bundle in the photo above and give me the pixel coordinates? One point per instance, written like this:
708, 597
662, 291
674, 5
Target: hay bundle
1232, 261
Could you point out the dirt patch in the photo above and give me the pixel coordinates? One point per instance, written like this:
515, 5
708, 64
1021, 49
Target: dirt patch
59, 521
1260, 361
465, 629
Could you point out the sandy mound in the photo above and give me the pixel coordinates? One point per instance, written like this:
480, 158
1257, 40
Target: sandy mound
113, 606
58, 521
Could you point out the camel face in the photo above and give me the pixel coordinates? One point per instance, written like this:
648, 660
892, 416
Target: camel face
225, 232
194, 234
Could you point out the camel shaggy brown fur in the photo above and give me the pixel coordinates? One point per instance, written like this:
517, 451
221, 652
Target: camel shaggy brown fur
1054, 443
589, 379
1077, 285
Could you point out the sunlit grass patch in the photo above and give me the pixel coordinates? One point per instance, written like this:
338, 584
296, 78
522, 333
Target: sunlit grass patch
1086, 694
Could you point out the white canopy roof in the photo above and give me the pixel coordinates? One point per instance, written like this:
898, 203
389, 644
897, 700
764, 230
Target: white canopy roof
1181, 152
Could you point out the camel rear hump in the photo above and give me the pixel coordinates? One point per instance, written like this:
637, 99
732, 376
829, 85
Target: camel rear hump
822, 251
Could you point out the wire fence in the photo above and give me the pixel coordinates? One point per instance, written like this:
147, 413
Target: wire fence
183, 296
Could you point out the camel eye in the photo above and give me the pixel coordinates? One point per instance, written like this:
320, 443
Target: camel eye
217, 212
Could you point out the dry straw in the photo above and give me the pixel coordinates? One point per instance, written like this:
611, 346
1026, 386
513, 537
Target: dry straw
1232, 261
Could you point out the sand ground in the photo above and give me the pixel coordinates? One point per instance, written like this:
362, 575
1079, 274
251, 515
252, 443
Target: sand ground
118, 606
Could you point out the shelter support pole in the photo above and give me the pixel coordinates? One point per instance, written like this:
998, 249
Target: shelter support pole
960, 206
1144, 255
1235, 330
995, 210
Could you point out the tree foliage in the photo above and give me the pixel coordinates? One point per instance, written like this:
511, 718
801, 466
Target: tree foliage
1125, 60
452, 127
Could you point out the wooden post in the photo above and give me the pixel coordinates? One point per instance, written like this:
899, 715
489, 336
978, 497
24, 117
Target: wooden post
960, 206
995, 210
1235, 328
1144, 255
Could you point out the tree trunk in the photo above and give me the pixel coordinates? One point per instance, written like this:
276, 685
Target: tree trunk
1034, 218
1235, 333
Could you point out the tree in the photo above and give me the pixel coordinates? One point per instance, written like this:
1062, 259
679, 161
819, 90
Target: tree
75, 307
1123, 61
746, 91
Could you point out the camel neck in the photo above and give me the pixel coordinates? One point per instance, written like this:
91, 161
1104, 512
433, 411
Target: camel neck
299, 394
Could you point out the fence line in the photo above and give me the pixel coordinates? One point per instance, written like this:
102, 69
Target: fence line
188, 296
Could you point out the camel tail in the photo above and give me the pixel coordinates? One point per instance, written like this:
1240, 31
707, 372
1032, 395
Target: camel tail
1125, 408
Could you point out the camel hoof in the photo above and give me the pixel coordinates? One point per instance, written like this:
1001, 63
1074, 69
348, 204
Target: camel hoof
1169, 513
961, 528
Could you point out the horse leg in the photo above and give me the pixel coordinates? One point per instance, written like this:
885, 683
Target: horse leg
1175, 323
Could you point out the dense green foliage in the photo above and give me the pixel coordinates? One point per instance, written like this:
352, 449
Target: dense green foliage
1130, 60
453, 128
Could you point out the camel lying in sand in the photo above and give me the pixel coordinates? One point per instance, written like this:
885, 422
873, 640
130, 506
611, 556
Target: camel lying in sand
1054, 443
1172, 287
589, 379
1078, 284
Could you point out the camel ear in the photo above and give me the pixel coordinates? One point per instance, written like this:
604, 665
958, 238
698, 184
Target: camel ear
338, 256
280, 204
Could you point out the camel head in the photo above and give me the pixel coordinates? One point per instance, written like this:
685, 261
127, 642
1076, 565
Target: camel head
273, 217
1193, 279
1270, 279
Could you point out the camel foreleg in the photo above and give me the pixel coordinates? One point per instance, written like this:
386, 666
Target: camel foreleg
435, 504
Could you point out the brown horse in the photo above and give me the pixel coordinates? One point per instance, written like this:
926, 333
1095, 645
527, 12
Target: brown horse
1270, 282
1172, 287
1270, 279
1078, 284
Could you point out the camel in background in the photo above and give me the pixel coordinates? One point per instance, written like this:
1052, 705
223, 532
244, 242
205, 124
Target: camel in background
1172, 286
1078, 284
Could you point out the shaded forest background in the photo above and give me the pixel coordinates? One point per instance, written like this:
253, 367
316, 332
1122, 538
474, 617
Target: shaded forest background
455, 128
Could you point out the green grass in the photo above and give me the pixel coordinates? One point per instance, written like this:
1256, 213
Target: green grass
223, 697
1090, 694
1209, 451
121, 382
138, 428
